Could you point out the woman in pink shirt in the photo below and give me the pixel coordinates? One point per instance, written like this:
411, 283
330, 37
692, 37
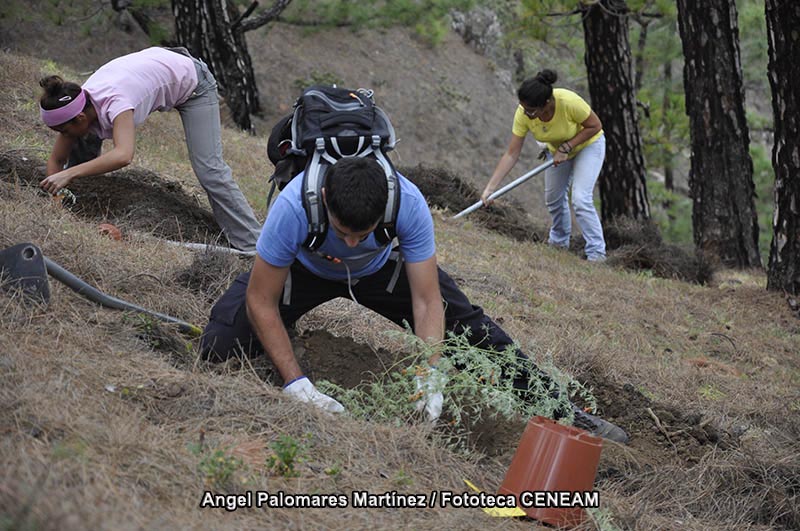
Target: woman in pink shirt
119, 96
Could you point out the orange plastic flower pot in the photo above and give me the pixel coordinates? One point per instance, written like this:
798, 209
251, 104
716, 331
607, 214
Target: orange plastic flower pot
553, 458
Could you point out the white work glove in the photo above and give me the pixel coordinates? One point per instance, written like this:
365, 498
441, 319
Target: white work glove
430, 384
303, 390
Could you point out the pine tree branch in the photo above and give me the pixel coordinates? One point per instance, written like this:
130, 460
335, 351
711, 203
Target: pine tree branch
247, 13
312, 23
265, 17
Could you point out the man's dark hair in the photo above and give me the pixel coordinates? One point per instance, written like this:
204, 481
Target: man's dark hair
356, 192
535, 92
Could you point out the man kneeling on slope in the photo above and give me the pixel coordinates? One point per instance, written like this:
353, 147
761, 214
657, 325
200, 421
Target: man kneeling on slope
288, 280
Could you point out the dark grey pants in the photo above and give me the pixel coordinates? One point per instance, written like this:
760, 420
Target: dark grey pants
229, 332
201, 124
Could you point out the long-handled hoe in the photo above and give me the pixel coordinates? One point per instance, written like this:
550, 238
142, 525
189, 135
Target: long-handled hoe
507, 188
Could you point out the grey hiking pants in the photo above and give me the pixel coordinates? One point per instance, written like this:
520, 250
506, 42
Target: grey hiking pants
200, 117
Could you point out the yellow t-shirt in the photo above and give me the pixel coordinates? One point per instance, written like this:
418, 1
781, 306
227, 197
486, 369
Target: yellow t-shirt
571, 112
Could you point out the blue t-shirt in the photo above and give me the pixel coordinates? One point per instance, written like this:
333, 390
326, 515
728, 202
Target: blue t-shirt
286, 228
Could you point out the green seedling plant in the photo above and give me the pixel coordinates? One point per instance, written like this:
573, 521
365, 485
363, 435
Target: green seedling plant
710, 392
147, 327
334, 471
156, 335
75, 449
402, 478
217, 467
480, 383
287, 452
66, 197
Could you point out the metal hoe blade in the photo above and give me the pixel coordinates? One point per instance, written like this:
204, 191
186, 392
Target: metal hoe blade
22, 269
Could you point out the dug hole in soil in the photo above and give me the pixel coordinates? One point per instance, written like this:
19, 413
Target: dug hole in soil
132, 199
689, 436
137, 199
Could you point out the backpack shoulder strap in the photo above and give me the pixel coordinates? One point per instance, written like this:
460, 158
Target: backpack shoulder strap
313, 180
386, 230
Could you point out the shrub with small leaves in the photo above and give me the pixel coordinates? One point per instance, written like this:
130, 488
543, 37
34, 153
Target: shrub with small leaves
480, 382
334, 471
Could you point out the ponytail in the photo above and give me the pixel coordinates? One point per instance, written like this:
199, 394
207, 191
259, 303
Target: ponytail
535, 91
57, 92
61, 101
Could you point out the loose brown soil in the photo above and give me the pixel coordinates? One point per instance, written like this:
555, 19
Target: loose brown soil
685, 439
133, 199
137, 199
689, 436
340, 360
211, 273
636, 245
141, 200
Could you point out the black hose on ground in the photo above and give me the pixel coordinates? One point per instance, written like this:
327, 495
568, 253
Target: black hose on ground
95, 295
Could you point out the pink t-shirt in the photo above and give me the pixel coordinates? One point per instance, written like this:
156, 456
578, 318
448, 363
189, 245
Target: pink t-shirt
154, 79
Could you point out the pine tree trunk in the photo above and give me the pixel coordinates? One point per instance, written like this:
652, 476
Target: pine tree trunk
639, 56
666, 107
783, 21
623, 191
721, 176
205, 27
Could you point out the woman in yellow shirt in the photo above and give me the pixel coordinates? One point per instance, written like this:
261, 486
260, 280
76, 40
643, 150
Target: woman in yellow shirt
574, 138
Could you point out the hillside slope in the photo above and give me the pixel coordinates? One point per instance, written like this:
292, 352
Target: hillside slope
108, 421
448, 105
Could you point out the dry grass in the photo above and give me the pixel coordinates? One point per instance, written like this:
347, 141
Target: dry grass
76, 455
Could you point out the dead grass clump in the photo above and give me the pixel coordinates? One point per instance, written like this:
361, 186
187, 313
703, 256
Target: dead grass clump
638, 246
444, 189
107, 425
739, 489
19, 100
211, 273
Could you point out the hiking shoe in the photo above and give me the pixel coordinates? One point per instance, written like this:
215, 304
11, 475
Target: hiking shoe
598, 427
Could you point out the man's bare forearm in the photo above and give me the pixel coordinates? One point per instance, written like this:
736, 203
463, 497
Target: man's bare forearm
429, 325
272, 334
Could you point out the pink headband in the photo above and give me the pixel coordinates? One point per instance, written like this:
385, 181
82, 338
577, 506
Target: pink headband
54, 117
